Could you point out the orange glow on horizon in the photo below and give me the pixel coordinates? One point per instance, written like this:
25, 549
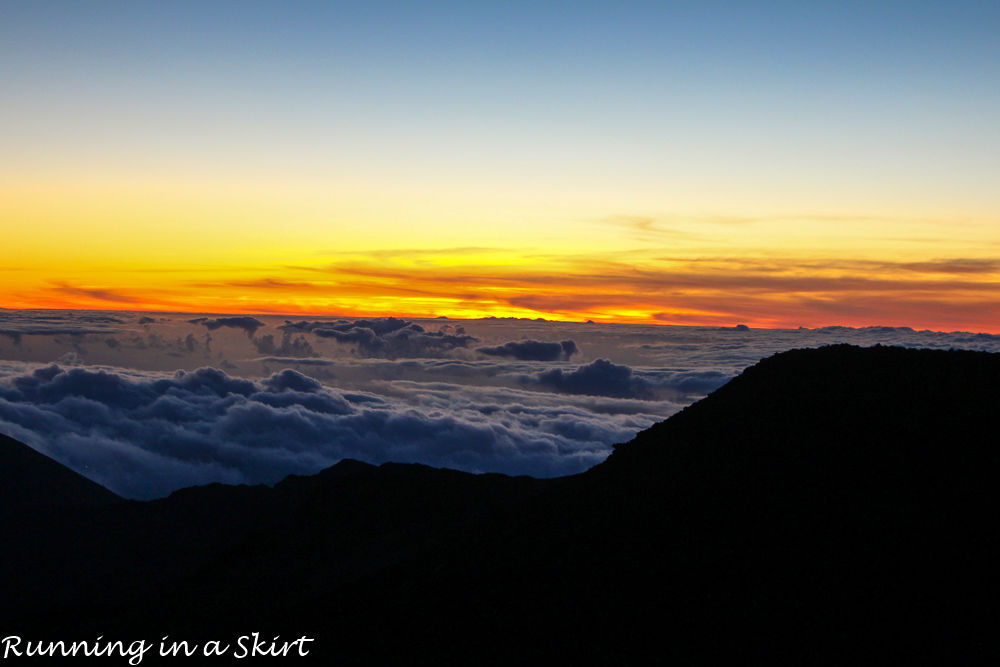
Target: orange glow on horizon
127, 246
763, 293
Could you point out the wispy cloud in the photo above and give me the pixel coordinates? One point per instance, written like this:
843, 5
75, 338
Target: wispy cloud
766, 289
271, 283
957, 266
398, 253
98, 294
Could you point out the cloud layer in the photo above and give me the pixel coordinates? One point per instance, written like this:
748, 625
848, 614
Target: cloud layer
113, 408
144, 435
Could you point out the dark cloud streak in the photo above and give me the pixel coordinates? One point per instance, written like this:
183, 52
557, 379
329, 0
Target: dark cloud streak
247, 323
598, 378
532, 350
388, 337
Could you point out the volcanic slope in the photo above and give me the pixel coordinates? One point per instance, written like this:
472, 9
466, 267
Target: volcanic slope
827, 503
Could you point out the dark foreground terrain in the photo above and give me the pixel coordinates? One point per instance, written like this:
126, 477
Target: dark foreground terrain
825, 505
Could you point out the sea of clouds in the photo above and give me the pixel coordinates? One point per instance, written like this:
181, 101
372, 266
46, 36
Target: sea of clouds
146, 404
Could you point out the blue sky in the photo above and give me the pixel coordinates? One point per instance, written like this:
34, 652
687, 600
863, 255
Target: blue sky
518, 81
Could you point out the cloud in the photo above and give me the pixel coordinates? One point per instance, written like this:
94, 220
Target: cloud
15, 323
687, 383
646, 227
248, 324
297, 362
144, 435
270, 283
379, 326
960, 266
98, 294
297, 347
604, 378
306, 326
386, 337
598, 378
532, 350
413, 254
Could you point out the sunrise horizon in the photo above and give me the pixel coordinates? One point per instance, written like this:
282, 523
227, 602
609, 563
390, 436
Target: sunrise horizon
531, 316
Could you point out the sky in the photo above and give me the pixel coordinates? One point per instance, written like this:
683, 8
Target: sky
775, 164
148, 403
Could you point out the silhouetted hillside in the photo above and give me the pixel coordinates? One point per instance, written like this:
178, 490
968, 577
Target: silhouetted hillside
202, 545
825, 505
29, 479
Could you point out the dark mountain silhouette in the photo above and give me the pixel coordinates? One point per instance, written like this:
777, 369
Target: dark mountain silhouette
825, 505
29, 479
304, 535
